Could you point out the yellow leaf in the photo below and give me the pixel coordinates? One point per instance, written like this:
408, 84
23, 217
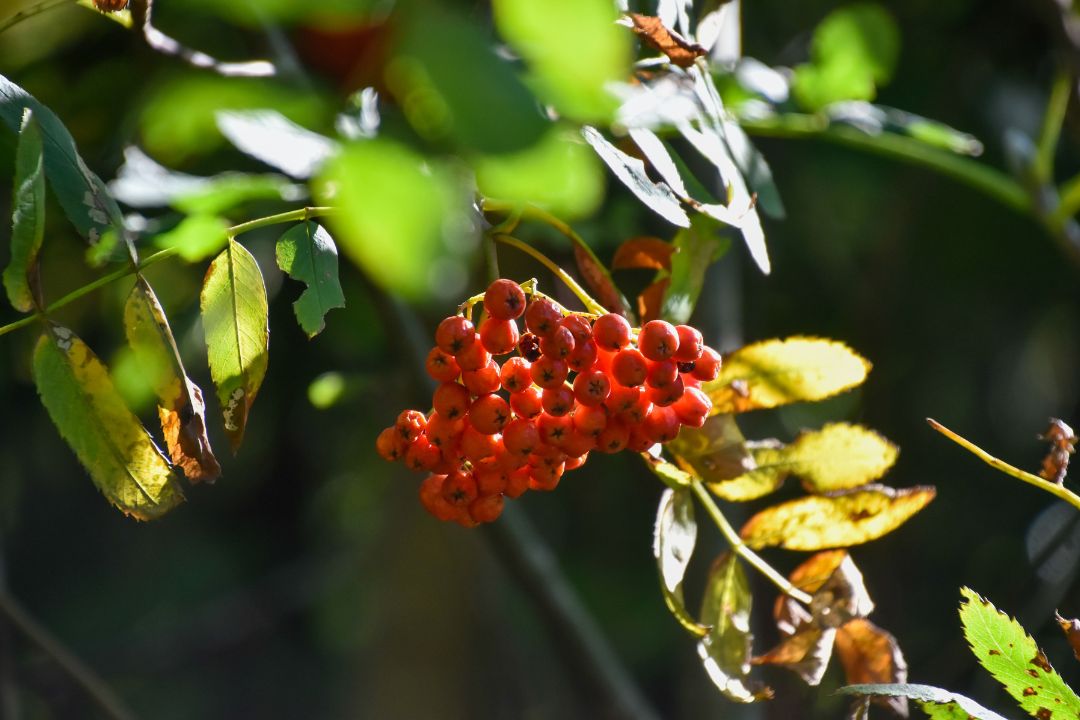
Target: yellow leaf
714, 452
777, 372
110, 442
841, 519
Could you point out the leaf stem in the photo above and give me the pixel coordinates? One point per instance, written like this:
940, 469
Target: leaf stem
1058, 491
302, 214
984, 178
1051, 127
591, 305
740, 548
31, 12
95, 687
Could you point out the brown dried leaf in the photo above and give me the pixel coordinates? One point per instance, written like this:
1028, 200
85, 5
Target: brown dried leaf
599, 280
871, 655
643, 252
677, 48
651, 299
1071, 628
1062, 441
808, 577
806, 653
839, 594
716, 451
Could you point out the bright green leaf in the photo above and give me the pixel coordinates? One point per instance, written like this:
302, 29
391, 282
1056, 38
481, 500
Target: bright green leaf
308, 254
394, 208
937, 703
778, 372
27, 217
674, 537
725, 650
574, 50
1009, 654
196, 238
841, 519
696, 247
234, 311
83, 196
108, 439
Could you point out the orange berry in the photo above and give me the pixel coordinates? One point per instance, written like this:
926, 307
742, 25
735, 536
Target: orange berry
658, 340
451, 400
473, 357
528, 403
592, 387
514, 375
558, 400
489, 414
454, 334
548, 372
486, 509
707, 367
629, 368
459, 489
504, 300
612, 332
691, 343
483, 381
441, 365
542, 316
499, 336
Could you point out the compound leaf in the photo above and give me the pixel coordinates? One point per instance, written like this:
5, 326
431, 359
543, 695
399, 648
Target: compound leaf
110, 442
27, 217
308, 254
777, 372
674, 537
1009, 654
937, 703
234, 311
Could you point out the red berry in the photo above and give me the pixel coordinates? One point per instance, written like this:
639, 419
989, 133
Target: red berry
591, 387
483, 381
422, 455
662, 373
489, 414
518, 482
444, 433
486, 509
636, 413
578, 326
499, 336
432, 500
639, 441
473, 357
389, 445
693, 407
559, 343
521, 436
451, 400
690, 343
589, 420
514, 375
573, 463
578, 444
459, 489
528, 403
622, 399
410, 424
658, 340
545, 478
441, 365
529, 347
661, 424
707, 367
504, 300
611, 332
584, 356
668, 394
547, 372
490, 477
558, 400
553, 429
629, 367
613, 438
477, 445
542, 316
454, 334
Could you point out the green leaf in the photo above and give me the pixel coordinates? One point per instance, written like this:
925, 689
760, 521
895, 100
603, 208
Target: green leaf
82, 195
674, 537
1009, 654
234, 311
937, 703
574, 50
777, 372
270, 137
180, 401
124, 463
394, 208
725, 650
841, 519
196, 238
445, 99
696, 248
308, 254
27, 217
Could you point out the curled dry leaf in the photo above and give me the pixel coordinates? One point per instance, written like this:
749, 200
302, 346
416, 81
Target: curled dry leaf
643, 252
806, 653
1071, 628
1062, 441
872, 655
651, 300
716, 451
652, 30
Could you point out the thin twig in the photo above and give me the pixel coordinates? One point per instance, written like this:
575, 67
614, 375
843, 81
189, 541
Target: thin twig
31, 12
94, 686
1056, 106
591, 305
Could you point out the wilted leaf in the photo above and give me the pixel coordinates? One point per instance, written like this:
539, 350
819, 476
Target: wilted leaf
1012, 657
81, 193
658, 197
643, 252
108, 439
871, 655
716, 451
270, 137
671, 475
839, 519
1071, 628
837, 589
234, 311
778, 372
599, 279
196, 237
180, 401
937, 703
650, 300
806, 653
27, 217
673, 544
696, 248
1062, 441
725, 650
308, 254
680, 51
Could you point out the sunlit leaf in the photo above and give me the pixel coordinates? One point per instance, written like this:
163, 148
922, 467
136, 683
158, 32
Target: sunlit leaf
308, 254
574, 50
394, 208
1071, 628
83, 196
838, 590
196, 237
674, 536
871, 655
696, 248
778, 372
806, 653
725, 650
937, 703
716, 451
1009, 654
270, 137
234, 312
180, 401
679, 50
27, 216
108, 439
840, 519
650, 299
643, 252
557, 173
662, 160
630, 171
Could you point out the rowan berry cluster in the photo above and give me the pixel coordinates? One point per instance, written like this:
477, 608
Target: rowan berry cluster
577, 383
